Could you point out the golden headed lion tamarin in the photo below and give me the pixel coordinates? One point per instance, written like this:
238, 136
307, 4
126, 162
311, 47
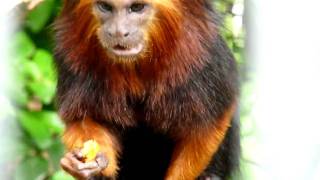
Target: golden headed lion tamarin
151, 85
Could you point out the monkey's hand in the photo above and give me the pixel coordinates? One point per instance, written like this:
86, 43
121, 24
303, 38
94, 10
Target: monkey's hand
91, 138
73, 163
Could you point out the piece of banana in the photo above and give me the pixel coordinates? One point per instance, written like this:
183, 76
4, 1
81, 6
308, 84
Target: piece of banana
90, 150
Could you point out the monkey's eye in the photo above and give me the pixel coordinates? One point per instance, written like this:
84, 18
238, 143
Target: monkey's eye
104, 7
137, 7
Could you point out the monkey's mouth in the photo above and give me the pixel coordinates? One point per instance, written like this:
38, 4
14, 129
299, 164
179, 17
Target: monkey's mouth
121, 50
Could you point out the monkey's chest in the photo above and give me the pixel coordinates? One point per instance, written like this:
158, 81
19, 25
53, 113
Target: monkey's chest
156, 120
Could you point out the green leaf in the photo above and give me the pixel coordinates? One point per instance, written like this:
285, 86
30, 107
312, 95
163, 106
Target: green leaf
53, 122
33, 168
44, 61
30, 70
221, 7
36, 128
228, 22
18, 94
42, 75
44, 89
41, 126
56, 151
38, 17
22, 46
61, 175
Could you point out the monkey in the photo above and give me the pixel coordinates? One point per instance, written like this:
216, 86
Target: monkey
153, 83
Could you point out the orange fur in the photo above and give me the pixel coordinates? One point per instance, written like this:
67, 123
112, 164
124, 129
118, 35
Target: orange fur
80, 131
194, 152
175, 48
170, 34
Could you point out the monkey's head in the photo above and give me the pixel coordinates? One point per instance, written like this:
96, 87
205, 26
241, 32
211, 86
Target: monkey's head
166, 33
128, 29
123, 26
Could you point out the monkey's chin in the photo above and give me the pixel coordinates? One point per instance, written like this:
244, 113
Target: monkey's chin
127, 52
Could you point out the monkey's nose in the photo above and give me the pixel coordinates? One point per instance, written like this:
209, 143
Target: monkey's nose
119, 34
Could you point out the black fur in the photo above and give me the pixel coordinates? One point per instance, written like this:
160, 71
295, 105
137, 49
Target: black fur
148, 146
147, 152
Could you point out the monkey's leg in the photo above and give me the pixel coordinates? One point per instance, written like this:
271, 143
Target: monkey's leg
225, 162
79, 132
193, 153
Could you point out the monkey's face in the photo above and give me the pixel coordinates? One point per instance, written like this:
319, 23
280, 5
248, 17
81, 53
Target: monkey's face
123, 27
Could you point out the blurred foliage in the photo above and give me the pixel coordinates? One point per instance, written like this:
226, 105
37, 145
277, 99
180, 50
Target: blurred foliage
33, 95
34, 89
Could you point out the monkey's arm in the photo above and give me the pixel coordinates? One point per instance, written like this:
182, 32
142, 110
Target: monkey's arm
193, 153
79, 132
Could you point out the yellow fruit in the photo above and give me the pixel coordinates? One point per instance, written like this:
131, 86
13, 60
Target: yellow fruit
90, 150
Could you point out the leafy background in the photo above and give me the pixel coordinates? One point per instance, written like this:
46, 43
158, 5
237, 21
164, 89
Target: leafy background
33, 128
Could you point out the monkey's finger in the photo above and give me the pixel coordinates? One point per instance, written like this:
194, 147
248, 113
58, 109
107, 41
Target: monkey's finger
79, 174
75, 162
86, 174
78, 154
102, 161
88, 165
72, 157
67, 166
